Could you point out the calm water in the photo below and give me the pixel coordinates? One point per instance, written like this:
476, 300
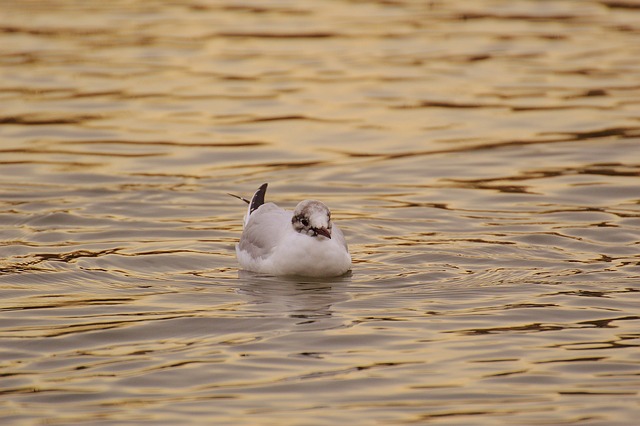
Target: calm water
482, 157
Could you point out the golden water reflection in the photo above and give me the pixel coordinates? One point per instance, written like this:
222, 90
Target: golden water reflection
482, 158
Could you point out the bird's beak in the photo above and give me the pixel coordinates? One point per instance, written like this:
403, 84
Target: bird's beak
323, 231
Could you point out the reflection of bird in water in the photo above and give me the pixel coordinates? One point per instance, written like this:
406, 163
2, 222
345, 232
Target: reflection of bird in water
311, 299
304, 242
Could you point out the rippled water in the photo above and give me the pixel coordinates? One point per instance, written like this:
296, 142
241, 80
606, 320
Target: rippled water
483, 159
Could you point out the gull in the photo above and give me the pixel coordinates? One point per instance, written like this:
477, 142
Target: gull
304, 242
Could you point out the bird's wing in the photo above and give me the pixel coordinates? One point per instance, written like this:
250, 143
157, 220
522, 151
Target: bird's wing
264, 229
256, 201
336, 234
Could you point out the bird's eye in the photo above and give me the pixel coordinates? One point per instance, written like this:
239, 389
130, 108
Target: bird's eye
304, 222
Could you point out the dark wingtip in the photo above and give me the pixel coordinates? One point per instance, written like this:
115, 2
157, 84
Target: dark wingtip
258, 198
239, 197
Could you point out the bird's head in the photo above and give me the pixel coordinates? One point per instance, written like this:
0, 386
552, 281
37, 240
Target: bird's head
312, 218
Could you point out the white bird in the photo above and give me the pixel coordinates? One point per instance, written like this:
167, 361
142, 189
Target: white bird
304, 242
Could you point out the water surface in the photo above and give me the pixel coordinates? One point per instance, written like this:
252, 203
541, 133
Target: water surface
483, 159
